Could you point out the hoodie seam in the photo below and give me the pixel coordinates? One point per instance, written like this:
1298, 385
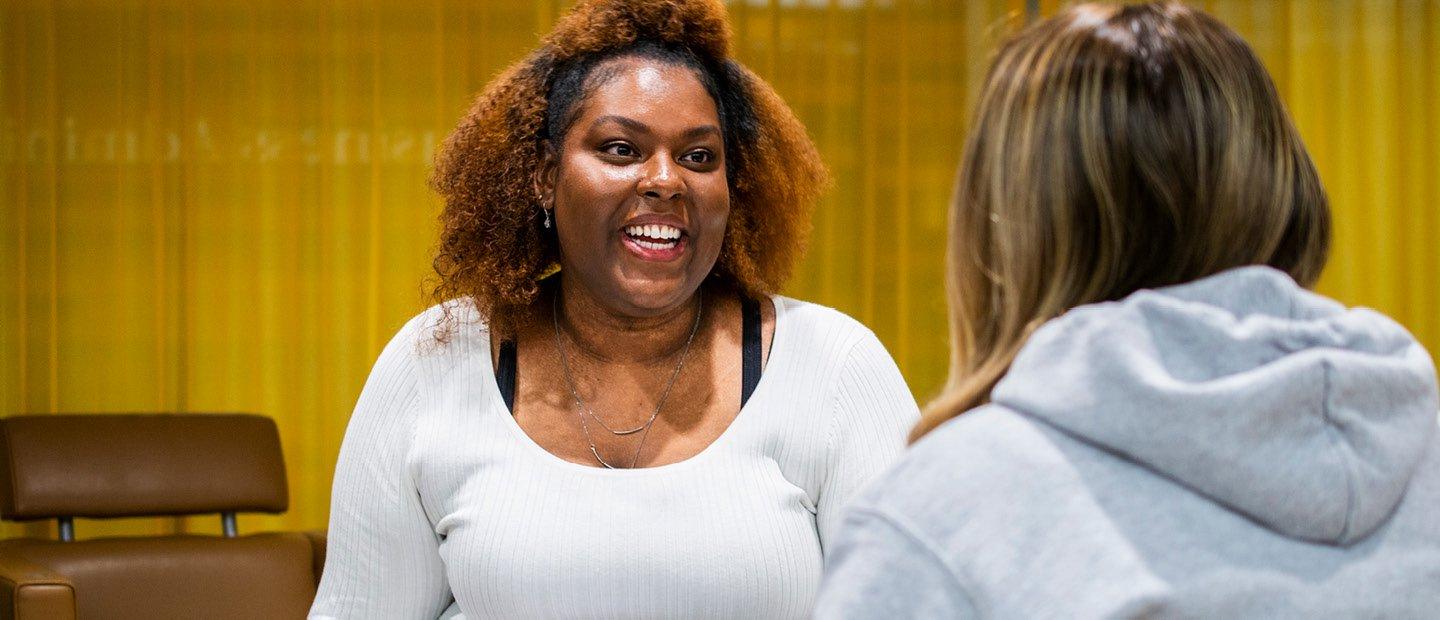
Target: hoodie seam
911, 534
1339, 447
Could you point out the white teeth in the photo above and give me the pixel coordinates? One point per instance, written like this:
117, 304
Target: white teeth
650, 245
654, 231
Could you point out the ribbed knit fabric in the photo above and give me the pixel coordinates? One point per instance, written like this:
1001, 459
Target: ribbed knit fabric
442, 505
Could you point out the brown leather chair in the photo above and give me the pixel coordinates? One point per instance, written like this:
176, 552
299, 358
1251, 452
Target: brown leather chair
105, 466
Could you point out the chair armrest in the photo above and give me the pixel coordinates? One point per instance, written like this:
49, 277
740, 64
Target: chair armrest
317, 552
29, 591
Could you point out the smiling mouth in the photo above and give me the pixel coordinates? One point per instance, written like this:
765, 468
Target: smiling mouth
656, 242
654, 236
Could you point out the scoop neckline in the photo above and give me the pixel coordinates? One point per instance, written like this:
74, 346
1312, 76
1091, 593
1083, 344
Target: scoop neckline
530, 445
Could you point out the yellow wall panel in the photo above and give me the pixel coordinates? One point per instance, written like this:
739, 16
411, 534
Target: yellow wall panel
221, 206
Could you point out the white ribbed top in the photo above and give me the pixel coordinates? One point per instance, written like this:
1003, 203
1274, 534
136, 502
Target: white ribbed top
443, 505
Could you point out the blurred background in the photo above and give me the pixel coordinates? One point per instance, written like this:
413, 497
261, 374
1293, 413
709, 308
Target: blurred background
222, 205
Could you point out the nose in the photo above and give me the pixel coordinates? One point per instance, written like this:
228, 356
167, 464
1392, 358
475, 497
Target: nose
659, 179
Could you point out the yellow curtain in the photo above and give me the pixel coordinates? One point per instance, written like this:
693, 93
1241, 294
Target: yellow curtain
221, 206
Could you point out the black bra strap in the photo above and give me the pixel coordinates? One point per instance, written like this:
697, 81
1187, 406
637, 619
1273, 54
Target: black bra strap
505, 373
750, 348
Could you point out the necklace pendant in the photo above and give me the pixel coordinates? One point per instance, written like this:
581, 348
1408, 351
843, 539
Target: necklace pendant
622, 432
597, 458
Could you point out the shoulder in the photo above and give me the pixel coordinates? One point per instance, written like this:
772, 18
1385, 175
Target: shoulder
809, 314
822, 333
431, 341
974, 469
454, 324
842, 358
858, 386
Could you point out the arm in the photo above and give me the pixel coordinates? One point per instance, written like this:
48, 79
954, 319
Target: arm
28, 590
871, 415
878, 569
382, 558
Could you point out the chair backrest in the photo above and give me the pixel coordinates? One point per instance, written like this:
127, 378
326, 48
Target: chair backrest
127, 465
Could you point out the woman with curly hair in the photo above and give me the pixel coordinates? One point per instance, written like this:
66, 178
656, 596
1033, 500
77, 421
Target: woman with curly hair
1149, 415
611, 412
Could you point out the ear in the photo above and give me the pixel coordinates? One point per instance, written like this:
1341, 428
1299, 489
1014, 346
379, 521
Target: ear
544, 179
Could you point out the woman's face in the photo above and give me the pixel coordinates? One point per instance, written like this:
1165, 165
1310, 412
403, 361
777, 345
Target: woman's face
641, 200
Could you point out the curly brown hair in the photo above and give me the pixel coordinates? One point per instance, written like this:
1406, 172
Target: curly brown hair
493, 248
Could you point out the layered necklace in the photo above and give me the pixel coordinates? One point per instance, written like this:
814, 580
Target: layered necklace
586, 414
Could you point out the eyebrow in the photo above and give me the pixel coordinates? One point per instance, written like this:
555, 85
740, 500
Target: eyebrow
637, 126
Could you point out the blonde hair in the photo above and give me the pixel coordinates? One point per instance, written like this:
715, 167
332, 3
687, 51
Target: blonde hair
1115, 148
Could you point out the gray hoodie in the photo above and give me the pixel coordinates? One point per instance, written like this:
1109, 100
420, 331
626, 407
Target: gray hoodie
1232, 447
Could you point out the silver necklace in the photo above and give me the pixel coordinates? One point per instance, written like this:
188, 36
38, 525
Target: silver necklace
583, 411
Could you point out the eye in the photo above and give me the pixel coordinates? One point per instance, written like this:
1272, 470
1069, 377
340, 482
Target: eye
619, 149
698, 156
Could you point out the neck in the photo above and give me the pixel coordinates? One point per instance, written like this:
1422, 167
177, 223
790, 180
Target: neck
606, 335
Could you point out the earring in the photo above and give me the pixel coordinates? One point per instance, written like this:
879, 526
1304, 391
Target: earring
547, 217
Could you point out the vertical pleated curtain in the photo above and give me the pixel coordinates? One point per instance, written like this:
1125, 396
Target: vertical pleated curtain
221, 205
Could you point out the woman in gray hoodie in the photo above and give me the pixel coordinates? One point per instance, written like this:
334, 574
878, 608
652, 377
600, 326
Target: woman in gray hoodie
1148, 413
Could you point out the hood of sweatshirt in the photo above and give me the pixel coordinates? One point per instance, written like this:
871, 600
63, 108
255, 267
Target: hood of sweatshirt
1305, 416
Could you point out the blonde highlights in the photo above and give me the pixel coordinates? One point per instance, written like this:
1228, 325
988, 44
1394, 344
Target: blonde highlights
1115, 148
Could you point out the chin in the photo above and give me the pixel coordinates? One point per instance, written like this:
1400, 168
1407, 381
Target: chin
648, 296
